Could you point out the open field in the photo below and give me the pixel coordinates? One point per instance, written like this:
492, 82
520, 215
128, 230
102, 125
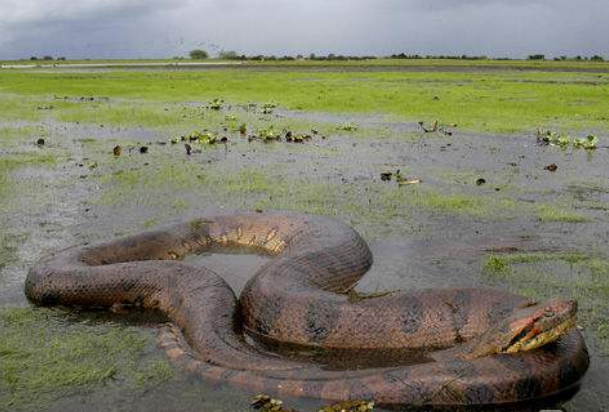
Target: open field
488, 210
497, 101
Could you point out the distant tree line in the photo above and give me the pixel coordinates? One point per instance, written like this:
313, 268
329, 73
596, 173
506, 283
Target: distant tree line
47, 58
441, 56
596, 57
200, 54
233, 55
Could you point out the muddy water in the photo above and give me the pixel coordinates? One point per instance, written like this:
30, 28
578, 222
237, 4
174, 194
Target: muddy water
414, 246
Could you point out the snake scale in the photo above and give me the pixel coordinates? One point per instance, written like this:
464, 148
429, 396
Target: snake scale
298, 297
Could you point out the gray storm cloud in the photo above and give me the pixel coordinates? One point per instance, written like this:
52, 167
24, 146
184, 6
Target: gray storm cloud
164, 28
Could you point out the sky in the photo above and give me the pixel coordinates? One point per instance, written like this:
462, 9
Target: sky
167, 28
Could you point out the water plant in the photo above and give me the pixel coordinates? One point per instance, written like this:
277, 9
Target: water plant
589, 142
348, 127
216, 104
268, 134
296, 137
205, 137
268, 107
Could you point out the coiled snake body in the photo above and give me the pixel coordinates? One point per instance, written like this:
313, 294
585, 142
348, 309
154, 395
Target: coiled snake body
298, 297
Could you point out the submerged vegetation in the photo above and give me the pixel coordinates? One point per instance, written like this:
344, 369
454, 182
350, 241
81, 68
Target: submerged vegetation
43, 357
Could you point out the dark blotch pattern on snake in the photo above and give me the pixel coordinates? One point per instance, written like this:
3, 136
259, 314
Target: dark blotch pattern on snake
299, 297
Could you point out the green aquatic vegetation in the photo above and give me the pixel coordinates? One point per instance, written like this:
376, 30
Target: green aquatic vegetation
43, 358
348, 127
553, 213
216, 104
16, 134
8, 163
245, 181
444, 202
500, 265
268, 107
9, 245
553, 138
152, 371
563, 141
268, 134
144, 184
589, 142
20, 108
203, 137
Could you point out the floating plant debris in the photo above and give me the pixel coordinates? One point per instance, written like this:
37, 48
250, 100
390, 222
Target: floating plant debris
551, 167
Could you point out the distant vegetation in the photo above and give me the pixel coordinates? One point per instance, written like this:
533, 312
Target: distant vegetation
47, 58
233, 55
198, 54
596, 57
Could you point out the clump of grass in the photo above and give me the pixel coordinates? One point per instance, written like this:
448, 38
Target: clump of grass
9, 244
348, 127
153, 371
268, 107
42, 358
8, 163
125, 185
268, 134
216, 104
496, 265
589, 142
500, 265
551, 213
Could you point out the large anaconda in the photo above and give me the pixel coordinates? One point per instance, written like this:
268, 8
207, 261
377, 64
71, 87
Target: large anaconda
298, 297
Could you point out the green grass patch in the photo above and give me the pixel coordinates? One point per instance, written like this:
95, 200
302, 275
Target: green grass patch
366, 204
43, 358
552, 213
20, 108
9, 244
486, 101
10, 162
126, 114
15, 134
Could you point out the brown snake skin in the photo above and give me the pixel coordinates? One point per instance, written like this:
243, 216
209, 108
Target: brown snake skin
298, 297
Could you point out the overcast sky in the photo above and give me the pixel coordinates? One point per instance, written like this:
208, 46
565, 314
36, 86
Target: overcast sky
165, 28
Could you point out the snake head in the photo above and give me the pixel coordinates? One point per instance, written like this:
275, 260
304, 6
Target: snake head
537, 325
527, 328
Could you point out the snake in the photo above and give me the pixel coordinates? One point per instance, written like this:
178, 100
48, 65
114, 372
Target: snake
482, 346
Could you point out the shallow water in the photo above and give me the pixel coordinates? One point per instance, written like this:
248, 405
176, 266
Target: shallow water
415, 245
